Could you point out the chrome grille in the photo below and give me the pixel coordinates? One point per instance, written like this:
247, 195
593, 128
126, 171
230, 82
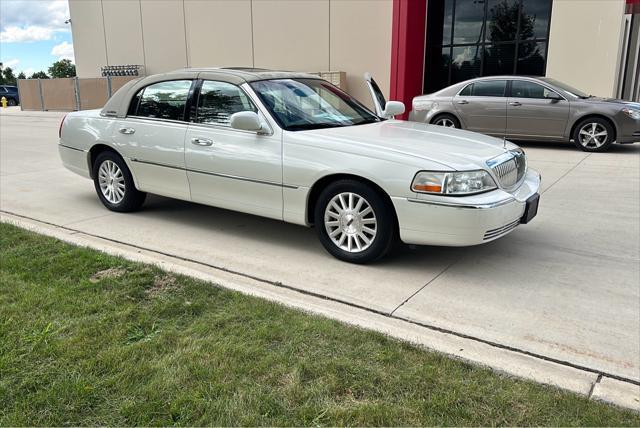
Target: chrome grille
510, 171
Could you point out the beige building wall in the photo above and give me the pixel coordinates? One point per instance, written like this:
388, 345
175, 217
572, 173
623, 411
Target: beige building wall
163, 35
123, 32
364, 47
302, 35
584, 44
291, 34
88, 37
219, 33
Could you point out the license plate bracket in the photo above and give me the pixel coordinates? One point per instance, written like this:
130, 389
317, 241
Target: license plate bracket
530, 209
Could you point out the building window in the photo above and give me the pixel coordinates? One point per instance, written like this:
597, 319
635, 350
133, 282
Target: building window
473, 38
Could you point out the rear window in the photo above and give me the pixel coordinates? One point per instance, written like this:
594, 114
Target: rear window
489, 88
163, 100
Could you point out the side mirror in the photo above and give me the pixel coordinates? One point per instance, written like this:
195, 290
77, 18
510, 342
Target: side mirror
393, 108
246, 121
552, 96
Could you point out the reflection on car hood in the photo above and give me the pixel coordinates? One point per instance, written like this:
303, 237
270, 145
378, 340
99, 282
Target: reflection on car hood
454, 148
630, 104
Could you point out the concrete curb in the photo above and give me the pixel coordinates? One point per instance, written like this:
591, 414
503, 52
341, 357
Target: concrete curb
588, 383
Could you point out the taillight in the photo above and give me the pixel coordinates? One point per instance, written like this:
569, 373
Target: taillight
61, 123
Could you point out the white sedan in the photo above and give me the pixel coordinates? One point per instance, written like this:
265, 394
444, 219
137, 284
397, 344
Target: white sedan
293, 147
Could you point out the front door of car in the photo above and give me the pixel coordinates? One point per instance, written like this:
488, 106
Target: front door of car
535, 111
482, 106
231, 168
152, 137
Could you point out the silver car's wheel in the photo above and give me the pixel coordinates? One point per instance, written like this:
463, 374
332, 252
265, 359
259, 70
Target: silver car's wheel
446, 122
111, 180
593, 135
350, 222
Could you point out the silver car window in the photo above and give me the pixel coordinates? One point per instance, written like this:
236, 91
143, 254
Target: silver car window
219, 100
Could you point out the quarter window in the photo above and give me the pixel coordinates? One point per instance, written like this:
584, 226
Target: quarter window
219, 100
164, 100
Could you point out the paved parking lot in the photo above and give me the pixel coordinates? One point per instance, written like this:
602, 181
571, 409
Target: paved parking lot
566, 287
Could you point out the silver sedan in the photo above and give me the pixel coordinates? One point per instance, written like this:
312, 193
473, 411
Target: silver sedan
531, 109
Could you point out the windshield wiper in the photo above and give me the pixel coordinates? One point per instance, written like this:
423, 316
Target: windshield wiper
365, 121
307, 126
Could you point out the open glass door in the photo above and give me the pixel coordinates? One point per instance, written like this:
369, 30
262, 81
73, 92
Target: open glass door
378, 99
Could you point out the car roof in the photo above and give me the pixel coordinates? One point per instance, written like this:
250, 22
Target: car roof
118, 104
245, 74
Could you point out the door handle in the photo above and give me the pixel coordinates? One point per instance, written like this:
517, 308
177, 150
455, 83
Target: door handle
463, 102
202, 141
515, 103
127, 131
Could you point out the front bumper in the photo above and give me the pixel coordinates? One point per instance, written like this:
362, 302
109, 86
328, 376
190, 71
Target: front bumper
463, 221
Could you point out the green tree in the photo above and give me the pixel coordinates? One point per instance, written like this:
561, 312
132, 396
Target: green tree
39, 75
21, 75
62, 68
8, 78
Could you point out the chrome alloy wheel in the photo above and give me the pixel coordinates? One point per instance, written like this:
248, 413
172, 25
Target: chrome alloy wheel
350, 222
446, 122
593, 135
111, 182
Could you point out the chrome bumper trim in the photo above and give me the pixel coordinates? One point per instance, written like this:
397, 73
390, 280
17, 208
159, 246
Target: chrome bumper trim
464, 206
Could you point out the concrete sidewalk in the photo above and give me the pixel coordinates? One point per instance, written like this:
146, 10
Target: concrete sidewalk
557, 300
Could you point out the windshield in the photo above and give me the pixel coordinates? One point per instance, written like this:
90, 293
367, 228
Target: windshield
568, 89
302, 104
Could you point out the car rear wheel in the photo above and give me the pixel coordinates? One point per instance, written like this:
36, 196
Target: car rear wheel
593, 135
354, 222
114, 183
447, 120
11, 102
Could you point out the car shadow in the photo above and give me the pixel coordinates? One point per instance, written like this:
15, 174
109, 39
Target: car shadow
239, 225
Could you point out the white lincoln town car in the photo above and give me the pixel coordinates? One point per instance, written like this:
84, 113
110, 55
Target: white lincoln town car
293, 147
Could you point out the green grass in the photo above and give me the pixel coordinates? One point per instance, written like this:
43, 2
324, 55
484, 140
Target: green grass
90, 339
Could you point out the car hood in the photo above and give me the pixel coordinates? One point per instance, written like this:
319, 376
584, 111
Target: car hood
453, 148
630, 104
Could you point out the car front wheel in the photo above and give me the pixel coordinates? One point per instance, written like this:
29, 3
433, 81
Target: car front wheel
354, 222
11, 102
447, 120
593, 135
114, 183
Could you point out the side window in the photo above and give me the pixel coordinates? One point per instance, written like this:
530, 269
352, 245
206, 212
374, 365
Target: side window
524, 89
489, 88
467, 91
219, 100
163, 100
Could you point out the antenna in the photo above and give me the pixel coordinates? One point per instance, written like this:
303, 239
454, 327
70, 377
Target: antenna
504, 142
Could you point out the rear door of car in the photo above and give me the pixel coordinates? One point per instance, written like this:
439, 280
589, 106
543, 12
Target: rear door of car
232, 168
532, 114
482, 106
152, 136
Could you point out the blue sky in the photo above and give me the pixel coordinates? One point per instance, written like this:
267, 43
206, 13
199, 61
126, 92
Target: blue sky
33, 34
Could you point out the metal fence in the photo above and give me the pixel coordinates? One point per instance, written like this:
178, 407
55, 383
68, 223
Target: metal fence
68, 94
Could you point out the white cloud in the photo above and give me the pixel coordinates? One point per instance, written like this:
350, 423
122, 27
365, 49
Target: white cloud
63, 50
10, 63
30, 20
26, 34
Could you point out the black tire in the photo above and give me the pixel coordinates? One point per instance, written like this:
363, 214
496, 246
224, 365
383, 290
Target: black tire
385, 222
441, 119
11, 102
597, 126
132, 198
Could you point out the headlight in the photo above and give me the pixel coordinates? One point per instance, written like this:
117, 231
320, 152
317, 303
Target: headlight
632, 113
453, 183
